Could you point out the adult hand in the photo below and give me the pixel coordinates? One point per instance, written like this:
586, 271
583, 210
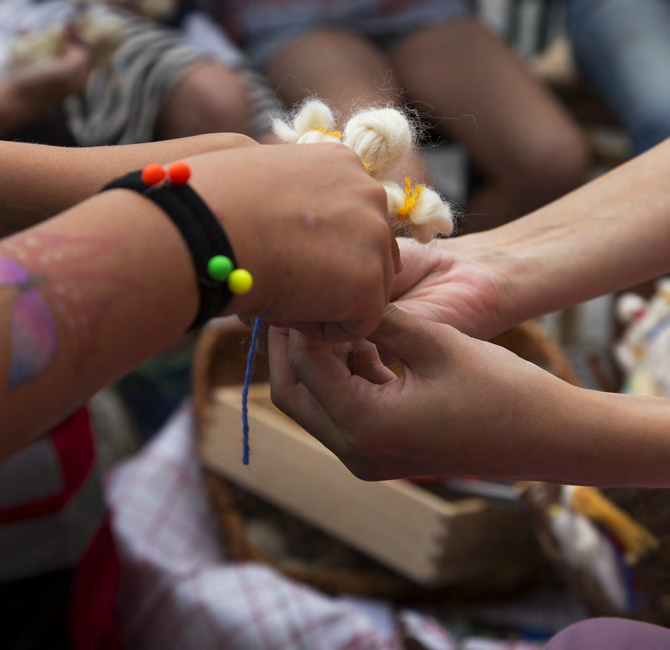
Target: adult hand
461, 406
457, 282
310, 225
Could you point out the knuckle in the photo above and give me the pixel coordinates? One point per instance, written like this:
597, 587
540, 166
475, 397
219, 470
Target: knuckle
361, 470
277, 398
346, 152
240, 140
364, 469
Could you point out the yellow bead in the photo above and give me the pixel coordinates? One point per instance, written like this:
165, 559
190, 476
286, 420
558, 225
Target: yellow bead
240, 282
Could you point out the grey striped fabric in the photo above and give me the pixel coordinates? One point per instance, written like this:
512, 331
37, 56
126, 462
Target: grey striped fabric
123, 98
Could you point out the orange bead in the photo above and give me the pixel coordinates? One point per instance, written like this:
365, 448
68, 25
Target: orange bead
153, 174
179, 173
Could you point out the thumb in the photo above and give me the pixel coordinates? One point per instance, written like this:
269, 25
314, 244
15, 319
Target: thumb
413, 341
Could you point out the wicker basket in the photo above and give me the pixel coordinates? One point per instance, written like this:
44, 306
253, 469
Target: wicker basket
323, 562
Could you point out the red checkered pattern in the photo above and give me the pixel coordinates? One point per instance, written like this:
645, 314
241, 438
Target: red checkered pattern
179, 591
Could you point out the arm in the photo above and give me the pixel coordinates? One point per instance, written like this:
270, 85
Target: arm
43, 181
28, 93
87, 295
463, 407
612, 233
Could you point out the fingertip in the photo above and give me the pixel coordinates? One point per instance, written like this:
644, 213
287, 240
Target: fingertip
397, 259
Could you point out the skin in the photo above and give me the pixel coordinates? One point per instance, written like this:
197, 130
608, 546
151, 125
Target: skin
82, 172
520, 139
467, 407
29, 93
462, 407
116, 283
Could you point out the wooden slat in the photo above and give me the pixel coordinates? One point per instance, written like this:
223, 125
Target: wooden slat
419, 534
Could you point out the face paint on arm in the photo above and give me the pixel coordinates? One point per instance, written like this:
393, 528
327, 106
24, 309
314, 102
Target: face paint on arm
52, 298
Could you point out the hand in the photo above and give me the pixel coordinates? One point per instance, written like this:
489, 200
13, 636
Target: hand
461, 406
310, 225
43, 86
456, 282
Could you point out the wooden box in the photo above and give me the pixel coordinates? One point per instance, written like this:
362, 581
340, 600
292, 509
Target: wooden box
422, 536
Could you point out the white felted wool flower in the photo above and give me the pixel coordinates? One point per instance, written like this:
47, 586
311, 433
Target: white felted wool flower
430, 216
381, 137
29, 49
313, 123
395, 198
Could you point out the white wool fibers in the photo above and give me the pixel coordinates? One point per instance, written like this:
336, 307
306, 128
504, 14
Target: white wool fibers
381, 137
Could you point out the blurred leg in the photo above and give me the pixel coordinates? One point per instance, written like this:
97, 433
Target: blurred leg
209, 98
482, 96
346, 71
623, 49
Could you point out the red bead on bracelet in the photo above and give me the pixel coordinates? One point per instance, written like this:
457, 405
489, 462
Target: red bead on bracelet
153, 174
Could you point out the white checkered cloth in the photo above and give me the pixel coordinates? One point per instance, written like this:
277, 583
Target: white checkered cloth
180, 592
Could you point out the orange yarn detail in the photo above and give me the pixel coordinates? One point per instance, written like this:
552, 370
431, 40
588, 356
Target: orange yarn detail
332, 134
636, 539
411, 197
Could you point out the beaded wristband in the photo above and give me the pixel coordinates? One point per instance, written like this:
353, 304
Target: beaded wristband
213, 258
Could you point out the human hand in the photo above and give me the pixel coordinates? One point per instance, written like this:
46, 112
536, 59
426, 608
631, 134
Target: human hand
310, 225
458, 282
461, 406
44, 85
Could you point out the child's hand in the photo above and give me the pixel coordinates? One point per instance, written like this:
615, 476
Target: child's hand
311, 226
42, 86
461, 406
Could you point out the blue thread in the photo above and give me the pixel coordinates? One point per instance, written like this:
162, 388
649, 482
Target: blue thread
245, 392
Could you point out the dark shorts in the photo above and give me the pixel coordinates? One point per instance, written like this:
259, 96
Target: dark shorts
266, 26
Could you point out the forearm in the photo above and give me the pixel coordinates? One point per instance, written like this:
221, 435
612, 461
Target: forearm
43, 181
603, 439
78, 310
610, 234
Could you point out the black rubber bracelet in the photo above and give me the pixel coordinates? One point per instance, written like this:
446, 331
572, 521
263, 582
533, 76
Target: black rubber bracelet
200, 230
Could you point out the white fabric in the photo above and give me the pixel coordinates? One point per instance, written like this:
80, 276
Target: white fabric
24, 16
178, 590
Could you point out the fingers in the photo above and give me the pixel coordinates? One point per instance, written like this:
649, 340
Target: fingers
262, 340
418, 261
291, 397
414, 341
363, 360
326, 376
395, 252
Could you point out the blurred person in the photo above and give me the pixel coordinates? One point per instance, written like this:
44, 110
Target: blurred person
440, 58
158, 82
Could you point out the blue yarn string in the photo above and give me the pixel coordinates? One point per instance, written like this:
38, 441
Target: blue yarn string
245, 392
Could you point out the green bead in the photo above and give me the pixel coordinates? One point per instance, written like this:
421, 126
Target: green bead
219, 268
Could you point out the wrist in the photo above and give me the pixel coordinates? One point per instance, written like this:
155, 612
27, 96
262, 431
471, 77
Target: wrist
219, 186
515, 298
